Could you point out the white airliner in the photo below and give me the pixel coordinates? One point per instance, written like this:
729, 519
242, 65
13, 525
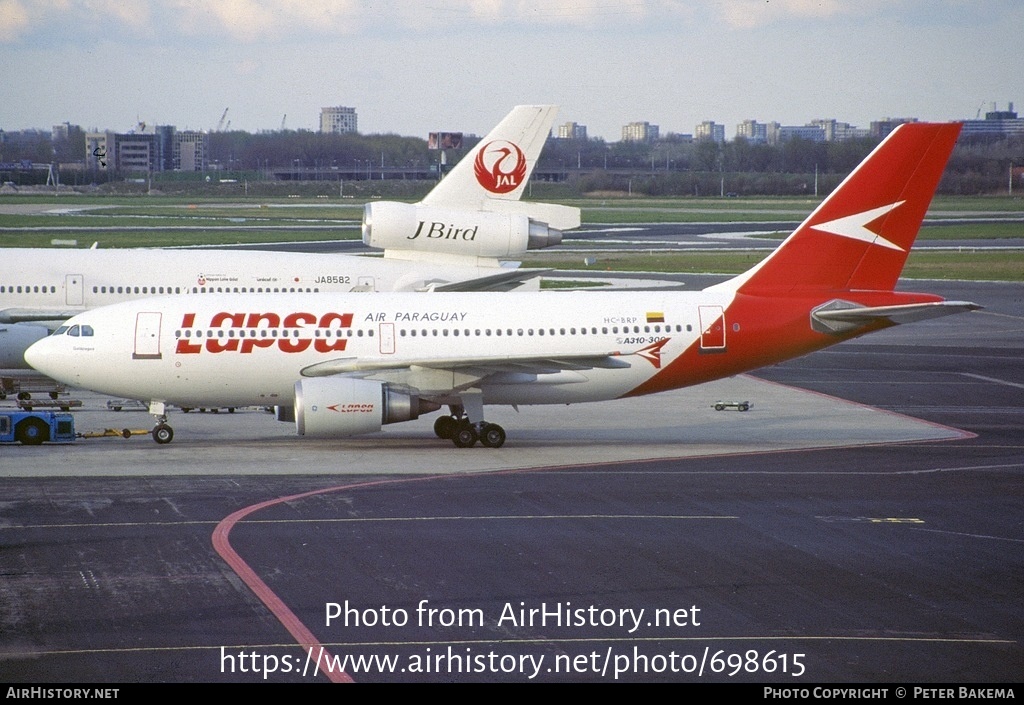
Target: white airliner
348, 364
454, 239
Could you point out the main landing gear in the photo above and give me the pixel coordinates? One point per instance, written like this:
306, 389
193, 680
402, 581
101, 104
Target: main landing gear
465, 434
465, 426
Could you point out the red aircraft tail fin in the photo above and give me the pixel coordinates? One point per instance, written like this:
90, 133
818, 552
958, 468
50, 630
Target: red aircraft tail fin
859, 237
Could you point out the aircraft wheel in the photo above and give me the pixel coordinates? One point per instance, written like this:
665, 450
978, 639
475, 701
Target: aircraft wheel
492, 435
163, 434
445, 427
32, 432
465, 436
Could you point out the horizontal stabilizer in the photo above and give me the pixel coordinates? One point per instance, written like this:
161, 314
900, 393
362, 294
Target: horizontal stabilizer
842, 316
553, 214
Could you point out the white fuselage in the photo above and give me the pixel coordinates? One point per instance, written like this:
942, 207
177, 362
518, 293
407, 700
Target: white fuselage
236, 350
41, 288
78, 280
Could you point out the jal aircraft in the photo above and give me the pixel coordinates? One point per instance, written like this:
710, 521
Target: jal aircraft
455, 239
346, 365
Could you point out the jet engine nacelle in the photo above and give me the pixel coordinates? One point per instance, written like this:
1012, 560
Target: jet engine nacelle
406, 226
15, 339
344, 406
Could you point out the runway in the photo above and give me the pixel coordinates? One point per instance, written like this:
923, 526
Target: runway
673, 237
750, 235
866, 530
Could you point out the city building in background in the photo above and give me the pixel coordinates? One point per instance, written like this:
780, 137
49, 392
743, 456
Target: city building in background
162, 148
572, 131
753, 131
997, 124
338, 120
639, 132
709, 130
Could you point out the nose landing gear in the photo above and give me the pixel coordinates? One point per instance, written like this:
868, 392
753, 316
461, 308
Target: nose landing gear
162, 433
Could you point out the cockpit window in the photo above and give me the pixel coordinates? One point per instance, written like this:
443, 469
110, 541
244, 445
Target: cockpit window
84, 331
61, 331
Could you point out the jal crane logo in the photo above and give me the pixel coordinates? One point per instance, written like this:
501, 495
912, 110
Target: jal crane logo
500, 166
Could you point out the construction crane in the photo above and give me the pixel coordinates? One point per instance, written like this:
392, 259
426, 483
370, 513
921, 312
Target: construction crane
283, 121
220, 125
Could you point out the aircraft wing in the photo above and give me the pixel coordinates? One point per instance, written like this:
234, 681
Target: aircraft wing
448, 374
840, 320
35, 315
505, 281
497, 363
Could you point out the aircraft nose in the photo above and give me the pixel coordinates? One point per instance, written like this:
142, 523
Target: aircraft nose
39, 356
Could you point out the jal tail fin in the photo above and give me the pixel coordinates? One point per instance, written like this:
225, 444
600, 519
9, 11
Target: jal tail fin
499, 166
494, 175
860, 236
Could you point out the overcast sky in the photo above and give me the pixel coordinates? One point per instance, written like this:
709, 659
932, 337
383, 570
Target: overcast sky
414, 67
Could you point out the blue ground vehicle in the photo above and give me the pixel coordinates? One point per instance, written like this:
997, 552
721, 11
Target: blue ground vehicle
32, 428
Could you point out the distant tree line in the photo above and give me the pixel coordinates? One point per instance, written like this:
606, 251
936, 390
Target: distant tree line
244, 151
671, 166
38, 146
978, 165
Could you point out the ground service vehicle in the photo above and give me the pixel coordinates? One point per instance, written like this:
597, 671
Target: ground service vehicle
32, 428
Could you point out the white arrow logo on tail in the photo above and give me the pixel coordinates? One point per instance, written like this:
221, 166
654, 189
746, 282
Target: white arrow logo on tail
855, 226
